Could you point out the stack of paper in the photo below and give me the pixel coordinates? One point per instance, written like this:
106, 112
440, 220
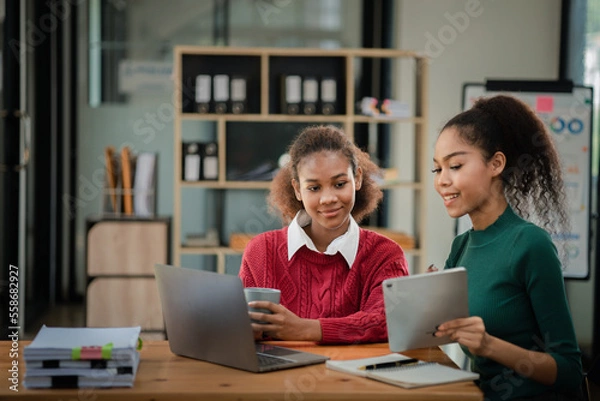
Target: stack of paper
60, 357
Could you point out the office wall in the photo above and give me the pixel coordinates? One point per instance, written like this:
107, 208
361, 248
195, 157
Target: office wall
469, 41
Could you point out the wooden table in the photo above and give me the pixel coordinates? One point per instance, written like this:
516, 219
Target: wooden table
165, 376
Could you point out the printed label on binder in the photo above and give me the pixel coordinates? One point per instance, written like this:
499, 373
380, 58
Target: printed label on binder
221, 95
328, 96
292, 94
310, 94
203, 93
238, 95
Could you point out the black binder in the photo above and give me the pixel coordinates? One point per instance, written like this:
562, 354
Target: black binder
291, 94
210, 161
221, 93
310, 95
238, 95
203, 93
191, 164
328, 96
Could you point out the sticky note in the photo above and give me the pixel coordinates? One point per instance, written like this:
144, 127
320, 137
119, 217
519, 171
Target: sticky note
544, 104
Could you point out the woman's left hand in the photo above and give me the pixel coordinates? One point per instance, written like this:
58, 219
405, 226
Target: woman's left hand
283, 324
469, 331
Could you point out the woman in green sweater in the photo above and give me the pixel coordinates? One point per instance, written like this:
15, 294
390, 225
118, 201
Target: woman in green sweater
496, 163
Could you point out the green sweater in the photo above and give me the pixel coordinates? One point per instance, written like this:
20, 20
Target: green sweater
516, 286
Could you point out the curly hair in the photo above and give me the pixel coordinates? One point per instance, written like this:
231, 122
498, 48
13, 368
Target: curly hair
313, 139
533, 183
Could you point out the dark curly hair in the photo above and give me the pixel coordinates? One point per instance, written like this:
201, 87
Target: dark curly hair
320, 138
533, 183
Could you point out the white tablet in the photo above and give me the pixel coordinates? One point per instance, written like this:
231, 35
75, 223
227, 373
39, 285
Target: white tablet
415, 305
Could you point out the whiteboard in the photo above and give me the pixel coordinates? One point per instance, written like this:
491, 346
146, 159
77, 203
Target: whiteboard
566, 110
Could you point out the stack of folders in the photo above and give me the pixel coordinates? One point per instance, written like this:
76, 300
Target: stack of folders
402, 371
60, 357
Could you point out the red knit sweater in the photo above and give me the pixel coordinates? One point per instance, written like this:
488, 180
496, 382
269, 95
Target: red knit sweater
347, 302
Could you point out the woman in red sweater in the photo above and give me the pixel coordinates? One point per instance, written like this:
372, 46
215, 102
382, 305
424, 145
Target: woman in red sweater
329, 270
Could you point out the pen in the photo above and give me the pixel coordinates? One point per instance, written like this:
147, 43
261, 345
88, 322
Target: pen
402, 362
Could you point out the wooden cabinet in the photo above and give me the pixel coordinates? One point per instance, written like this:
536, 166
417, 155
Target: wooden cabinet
121, 290
262, 129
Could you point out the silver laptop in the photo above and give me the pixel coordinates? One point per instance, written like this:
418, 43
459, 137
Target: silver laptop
415, 305
206, 318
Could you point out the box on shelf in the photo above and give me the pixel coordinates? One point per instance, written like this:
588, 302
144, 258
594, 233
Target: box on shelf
238, 241
404, 240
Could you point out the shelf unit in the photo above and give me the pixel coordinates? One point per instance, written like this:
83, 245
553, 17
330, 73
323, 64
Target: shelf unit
120, 256
262, 68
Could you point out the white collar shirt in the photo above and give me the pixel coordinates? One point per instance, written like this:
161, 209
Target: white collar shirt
346, 244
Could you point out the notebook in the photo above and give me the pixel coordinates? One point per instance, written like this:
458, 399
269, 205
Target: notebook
413, 375
415, 305
206, 318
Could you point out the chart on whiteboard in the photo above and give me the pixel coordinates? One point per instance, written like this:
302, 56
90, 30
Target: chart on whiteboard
568, 118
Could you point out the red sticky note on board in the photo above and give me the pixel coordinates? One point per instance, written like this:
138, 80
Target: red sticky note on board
544, 104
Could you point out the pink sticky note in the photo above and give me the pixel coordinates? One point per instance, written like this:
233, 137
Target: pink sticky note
544, 104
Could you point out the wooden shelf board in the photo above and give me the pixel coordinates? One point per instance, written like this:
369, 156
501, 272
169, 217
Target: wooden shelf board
316, 118
227, 184
383, 120
413, 252
198, 250
302, 52
267, 185
398, 185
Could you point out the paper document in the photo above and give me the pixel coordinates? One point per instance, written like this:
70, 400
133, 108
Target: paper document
413, 375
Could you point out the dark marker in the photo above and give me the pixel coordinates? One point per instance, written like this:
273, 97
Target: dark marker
402, 362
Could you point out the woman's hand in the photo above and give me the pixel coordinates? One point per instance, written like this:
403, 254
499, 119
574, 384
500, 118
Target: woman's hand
283, 324
469, 332
432, 269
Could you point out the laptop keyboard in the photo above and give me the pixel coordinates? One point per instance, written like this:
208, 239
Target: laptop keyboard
266, 360
273, 350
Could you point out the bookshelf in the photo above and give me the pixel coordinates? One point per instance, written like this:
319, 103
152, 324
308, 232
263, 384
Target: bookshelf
265, 111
